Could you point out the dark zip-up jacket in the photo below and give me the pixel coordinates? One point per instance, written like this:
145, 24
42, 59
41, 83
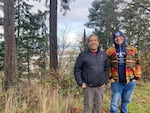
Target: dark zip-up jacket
91, 69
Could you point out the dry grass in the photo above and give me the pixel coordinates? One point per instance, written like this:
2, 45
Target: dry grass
39, 98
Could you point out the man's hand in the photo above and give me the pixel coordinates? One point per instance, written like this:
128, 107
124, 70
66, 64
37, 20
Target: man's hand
112, 80
84, 85
133, 80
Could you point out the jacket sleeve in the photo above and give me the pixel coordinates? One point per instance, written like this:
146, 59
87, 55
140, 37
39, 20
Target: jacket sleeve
107, 66
78, 69
137, 69
108, 53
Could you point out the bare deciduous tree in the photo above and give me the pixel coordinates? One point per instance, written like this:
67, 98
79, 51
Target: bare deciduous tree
64, 45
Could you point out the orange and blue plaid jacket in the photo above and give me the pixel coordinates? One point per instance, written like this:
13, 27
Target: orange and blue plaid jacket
133, 68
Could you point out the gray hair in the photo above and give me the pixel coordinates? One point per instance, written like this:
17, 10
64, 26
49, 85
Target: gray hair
92, 36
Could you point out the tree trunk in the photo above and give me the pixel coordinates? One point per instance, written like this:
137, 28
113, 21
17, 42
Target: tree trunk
53, 35
84, 40
10, 46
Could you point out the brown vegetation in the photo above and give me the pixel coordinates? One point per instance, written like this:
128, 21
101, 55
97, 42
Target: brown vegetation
146, 72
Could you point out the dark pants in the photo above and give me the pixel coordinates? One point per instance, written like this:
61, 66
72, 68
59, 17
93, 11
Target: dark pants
93, 97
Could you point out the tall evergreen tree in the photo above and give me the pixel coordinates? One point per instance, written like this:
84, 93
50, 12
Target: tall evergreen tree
10, 46
53, 35
1, 56
53, 30
103, 19
1, 37
31, 33
136, 21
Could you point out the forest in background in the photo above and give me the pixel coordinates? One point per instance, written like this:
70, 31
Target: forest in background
31, 82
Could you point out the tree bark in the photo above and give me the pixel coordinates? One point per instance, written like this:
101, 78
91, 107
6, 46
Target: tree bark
10, 46
53, 35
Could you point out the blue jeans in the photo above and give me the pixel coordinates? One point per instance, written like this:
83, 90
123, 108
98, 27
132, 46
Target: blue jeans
123, 91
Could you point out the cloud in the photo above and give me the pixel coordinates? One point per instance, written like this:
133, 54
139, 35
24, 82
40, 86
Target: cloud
74, 20
70, 35
1, 13
78, 11
75, 32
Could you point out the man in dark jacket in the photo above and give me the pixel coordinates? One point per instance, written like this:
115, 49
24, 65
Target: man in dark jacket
91, 73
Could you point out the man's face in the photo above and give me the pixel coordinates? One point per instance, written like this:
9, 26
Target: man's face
93, 43
119, 40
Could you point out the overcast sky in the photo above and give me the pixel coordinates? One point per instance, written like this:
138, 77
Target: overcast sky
73, 21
